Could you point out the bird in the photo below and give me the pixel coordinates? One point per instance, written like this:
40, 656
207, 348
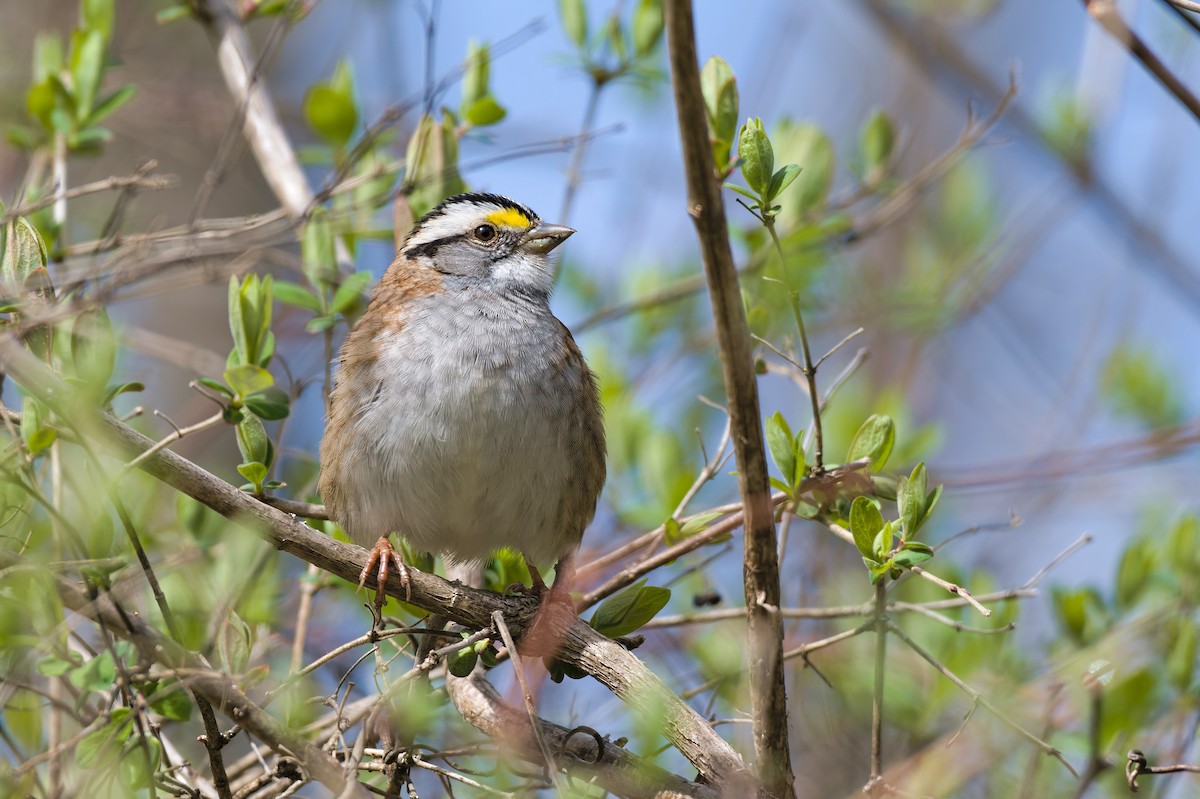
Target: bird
463, 415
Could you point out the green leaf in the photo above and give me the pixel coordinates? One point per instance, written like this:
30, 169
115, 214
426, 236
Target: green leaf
875, 144
331, 114
234, 639
931, 501
24, 252
317, 250
647, 26
719, 87
698, 523
297, 295
911, 557
103, 740
117, 389
171, 701
54, 666
574, 20
111, 103
431, 164
89, 140
21, 137
865, 523
676, 532
40, 101
1133, 572
47, 56
910, 499
97, 674
216, 386
781, 180
1181, 659
320, 324
742, 190
87, 67
808, 147
97, 15
41, 440
237, 326
93, 348
254, 443
270, 403
628, 610
342, 80
874, 440
614, 35
882, 545
140, 758
462, 662
349, 293
484, 111
780, 442
757, 156
1137, 384
172, 14
247, 379
254, 472
475, 79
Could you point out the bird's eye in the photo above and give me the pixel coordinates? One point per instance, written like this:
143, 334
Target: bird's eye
485, 232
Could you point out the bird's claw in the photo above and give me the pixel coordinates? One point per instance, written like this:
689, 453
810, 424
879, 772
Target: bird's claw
380, 558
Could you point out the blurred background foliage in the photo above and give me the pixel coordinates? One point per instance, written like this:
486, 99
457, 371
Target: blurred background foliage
1027, 293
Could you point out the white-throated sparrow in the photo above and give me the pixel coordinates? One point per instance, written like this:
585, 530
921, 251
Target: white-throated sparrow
463, 415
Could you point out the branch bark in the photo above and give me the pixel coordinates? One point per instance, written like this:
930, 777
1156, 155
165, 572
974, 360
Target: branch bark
610, 663
590, 756
261, 126
760, 564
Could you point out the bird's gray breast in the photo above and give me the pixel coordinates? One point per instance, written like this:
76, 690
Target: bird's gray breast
472, 426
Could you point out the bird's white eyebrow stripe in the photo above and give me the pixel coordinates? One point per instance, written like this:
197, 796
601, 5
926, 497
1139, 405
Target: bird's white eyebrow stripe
455, 219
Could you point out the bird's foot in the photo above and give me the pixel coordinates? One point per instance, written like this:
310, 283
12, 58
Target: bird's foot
380, 559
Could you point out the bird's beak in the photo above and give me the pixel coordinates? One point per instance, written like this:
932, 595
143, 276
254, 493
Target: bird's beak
542, 238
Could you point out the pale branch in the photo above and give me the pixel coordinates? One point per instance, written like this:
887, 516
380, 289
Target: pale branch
844, 611
268, 140
581, 750
581, 646
140, 181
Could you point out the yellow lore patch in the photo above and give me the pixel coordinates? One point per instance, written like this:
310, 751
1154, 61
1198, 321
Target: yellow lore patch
508, 217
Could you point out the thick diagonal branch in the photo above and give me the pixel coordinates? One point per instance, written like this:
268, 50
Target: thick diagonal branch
760, 564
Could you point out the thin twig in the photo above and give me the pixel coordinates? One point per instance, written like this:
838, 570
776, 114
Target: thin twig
1105, 12
880, 622
139, 181
982, 700
551, 762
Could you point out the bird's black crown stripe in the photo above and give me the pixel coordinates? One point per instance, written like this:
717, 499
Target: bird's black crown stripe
492, 199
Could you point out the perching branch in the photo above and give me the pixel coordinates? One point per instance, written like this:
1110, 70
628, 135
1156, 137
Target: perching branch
580, 645
761, 565
585, 752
